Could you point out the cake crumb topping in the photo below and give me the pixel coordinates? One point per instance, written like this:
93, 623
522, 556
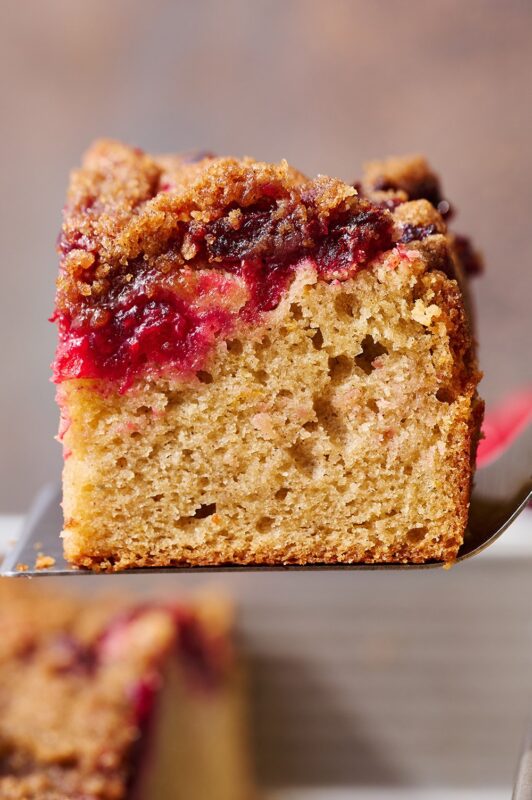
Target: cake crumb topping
161, 257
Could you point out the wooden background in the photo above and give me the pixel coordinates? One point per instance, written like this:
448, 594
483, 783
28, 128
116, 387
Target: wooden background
325, 84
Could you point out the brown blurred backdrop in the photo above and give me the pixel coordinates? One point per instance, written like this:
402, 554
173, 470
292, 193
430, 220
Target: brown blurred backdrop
325, 84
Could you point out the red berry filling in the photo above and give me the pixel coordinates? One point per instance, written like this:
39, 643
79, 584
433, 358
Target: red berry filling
414, 233
150, 323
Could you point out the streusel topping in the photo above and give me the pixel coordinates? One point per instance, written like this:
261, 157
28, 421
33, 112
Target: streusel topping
161, 257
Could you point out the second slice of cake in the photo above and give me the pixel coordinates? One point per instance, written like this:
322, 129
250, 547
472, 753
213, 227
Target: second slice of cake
255, 367
110, 701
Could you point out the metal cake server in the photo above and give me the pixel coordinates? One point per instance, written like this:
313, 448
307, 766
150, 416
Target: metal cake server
523, 782
502, 490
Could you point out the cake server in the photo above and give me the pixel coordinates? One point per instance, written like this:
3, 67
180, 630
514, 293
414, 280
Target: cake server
523, 782
502, 490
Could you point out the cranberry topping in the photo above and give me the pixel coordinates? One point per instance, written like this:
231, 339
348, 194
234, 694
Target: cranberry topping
350, 238
202, 658
266, 287
144, 324
142, 696
353, 240
160, 328
415, 233
155, 330
255, 233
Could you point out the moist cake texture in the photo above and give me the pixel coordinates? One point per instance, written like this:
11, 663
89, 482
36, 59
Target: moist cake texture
112, 702
255, 367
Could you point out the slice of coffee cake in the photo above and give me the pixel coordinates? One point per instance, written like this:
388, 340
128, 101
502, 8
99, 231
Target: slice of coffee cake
255, 367
117, 703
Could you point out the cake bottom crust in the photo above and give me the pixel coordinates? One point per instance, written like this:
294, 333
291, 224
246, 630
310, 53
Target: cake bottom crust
341, 430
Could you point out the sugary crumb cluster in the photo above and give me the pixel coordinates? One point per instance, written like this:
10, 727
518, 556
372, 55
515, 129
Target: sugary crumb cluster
162, 257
